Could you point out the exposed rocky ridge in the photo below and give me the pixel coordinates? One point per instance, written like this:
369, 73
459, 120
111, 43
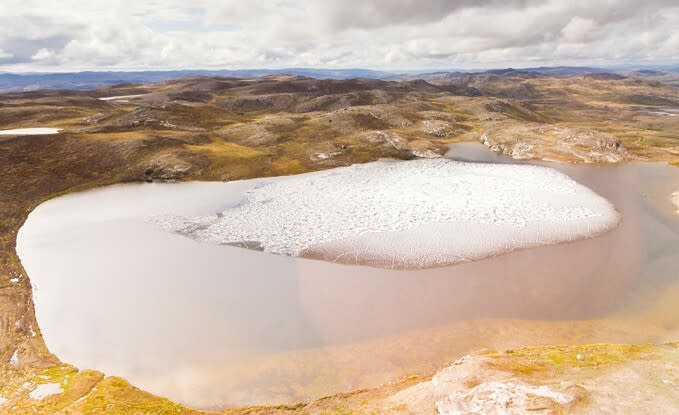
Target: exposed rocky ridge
551, 142
517, 383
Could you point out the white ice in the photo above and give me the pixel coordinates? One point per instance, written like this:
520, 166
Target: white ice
14, 360
121, 97
408, 213
31, 131
44, 390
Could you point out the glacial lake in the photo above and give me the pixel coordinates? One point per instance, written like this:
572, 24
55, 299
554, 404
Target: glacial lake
214, 326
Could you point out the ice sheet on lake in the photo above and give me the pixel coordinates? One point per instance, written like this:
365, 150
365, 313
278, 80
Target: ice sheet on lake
407, 213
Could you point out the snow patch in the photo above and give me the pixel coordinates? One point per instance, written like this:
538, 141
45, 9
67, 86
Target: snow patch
668, 112
324, 156
123, 98
44, 390
498, 398
2, 400
31, 131
425, 212
14, 360
675, 200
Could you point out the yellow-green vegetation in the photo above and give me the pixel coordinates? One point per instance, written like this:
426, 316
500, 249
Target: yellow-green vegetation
116, 396
80, 392
555, 360
71, 384
224, 152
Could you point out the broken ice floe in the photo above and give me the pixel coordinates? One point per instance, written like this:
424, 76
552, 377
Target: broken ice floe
407, 213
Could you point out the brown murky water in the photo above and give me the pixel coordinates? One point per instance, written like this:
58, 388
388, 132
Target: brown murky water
215, 326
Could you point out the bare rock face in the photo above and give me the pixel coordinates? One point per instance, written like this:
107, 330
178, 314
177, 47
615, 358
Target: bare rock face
416, 148
439, 128
145, 116
167, 167
469, 387
555, 143
500, 398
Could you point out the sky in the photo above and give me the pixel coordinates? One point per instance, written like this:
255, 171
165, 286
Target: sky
68, 35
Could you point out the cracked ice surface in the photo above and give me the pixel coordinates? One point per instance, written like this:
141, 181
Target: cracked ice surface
407, 213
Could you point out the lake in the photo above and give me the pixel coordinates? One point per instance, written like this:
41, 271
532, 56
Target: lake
214, 326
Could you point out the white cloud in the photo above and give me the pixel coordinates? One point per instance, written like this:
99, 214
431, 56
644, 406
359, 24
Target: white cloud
42, 54
165, 34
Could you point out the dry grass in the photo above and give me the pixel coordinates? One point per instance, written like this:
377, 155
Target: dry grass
555, 360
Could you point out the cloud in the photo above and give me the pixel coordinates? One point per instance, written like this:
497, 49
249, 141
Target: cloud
368, 14
42, 54
396, 34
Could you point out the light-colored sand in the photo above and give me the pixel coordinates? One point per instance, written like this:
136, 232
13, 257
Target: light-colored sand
31, 131
408, 213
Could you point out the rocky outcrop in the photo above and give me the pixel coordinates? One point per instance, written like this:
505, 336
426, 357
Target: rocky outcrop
496, 398
415, 148
441, 129
555, 143
586, 379
469, 386
167, 167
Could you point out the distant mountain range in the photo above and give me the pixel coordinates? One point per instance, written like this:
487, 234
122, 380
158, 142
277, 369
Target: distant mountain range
79, 81
17, 82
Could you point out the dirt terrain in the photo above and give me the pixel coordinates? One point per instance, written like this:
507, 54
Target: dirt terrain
226, 129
